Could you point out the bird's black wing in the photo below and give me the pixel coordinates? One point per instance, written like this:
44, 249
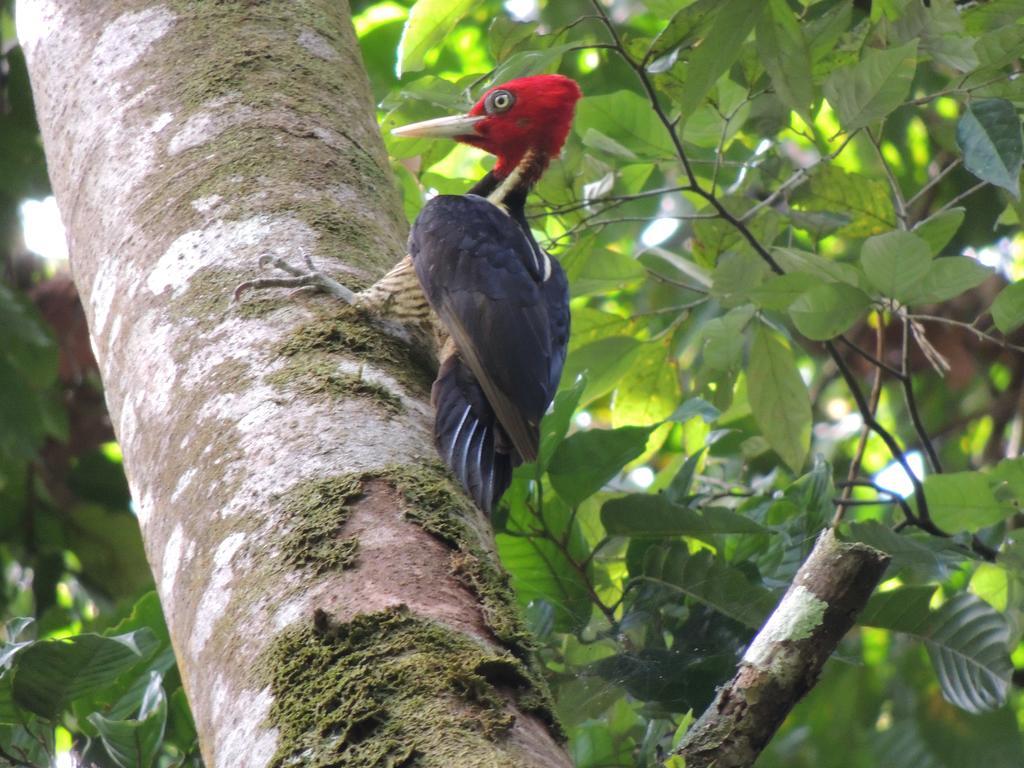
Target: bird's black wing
482, 276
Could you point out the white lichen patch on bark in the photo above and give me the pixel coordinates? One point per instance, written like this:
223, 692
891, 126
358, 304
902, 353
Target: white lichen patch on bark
213, 119
217, 593
244, 740
206, 204
128, 37
183, 483
318, 45
206, 247
38, 19
796, 618
170, 562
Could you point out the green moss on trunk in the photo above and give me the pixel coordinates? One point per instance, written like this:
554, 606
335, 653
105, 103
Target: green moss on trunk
349, 331
389, 689
320, 509
319, 375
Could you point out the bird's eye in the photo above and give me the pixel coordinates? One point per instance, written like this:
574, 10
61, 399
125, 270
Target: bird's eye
499, 101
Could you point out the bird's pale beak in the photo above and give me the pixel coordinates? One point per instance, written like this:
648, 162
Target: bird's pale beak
457, 125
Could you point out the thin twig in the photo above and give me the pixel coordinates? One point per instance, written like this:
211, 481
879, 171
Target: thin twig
911, 401
961, 197
894, 185
968, 327
862, 442
933, 181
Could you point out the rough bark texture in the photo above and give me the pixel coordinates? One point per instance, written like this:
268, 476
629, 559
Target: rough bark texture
332, 598
784, 660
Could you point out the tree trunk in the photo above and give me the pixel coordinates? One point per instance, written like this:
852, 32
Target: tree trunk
332, 597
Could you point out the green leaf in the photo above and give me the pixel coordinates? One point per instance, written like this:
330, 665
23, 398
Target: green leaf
51, 673
989, 135
780, 291
587, 460
604, 362
941, 32
1000, 46
906, 609
872, 88
736, 275
628, 119
828, 310
599, 270
938, 230
865, 201
654, 515
686, 27
679, 488
527, 63
966, 638
920, 553
723, 340
539, 568
555, 425
649, 390
709, 581
428, 23
505, 35
719, 50
949, 276
778, 398
786, 57
968, 644
896, 263
135, 743
1008, 308
963, 501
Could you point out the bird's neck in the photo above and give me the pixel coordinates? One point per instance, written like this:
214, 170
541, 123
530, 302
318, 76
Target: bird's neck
510, 187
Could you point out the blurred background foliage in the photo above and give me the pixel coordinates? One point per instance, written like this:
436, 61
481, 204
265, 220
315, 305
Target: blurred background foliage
703, 434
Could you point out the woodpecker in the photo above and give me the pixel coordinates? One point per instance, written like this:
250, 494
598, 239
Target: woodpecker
500, 302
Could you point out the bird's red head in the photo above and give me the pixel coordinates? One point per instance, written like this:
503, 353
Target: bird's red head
529, 113
520, 115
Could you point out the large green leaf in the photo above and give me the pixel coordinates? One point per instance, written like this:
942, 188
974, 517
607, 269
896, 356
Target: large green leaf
828, 310
49, 674
866, 202
989, 135
786, 57
135, 743
720, 49
939, 229
686, 27
710, 581
778, 397
780, 291
604, 362
584, 462
873, 87
916, 552
505, 35
626, 118
1008, 308
428, 23
655, 515
541, 569
963, 501
723, 340
555, 424
649, 391
896, 263
968, 641
947, 277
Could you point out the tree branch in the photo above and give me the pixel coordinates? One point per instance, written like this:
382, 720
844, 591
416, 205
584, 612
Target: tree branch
784, 660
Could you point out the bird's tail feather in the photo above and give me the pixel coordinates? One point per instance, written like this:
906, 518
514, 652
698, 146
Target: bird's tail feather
468, 436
